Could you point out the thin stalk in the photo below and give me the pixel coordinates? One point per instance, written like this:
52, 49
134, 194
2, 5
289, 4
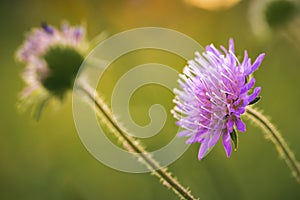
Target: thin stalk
133, 145
281, 146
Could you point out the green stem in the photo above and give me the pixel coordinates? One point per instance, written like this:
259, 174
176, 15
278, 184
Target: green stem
281, 146
133, 145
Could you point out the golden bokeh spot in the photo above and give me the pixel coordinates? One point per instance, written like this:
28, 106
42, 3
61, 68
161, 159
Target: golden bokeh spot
213, 4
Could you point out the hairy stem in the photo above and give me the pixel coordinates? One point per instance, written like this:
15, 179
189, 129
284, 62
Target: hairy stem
133, 145
281, 146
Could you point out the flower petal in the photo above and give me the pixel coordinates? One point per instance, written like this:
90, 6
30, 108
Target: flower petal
184, 133
227, 143
254, 94
231, 45
248, 86
230, 124
245, 60
214, 139
240, 125
203, 149
256, 64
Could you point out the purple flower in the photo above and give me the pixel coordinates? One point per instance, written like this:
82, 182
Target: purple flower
40, 40
52, 58
215, 89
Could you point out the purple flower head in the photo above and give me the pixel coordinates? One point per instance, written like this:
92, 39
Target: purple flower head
215, 89
52, 58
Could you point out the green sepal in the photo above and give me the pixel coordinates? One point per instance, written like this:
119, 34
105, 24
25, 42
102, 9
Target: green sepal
255, 100
63, 63
234, 139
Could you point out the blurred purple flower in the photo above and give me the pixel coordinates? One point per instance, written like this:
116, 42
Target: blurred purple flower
41, 41
215, 89
52, 58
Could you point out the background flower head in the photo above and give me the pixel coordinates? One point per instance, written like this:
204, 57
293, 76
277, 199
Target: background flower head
268, 17
52, 57
215, 89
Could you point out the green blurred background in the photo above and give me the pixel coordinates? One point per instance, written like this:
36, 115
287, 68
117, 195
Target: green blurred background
45, 159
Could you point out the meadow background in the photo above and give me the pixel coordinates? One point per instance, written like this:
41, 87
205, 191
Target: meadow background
45, 159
